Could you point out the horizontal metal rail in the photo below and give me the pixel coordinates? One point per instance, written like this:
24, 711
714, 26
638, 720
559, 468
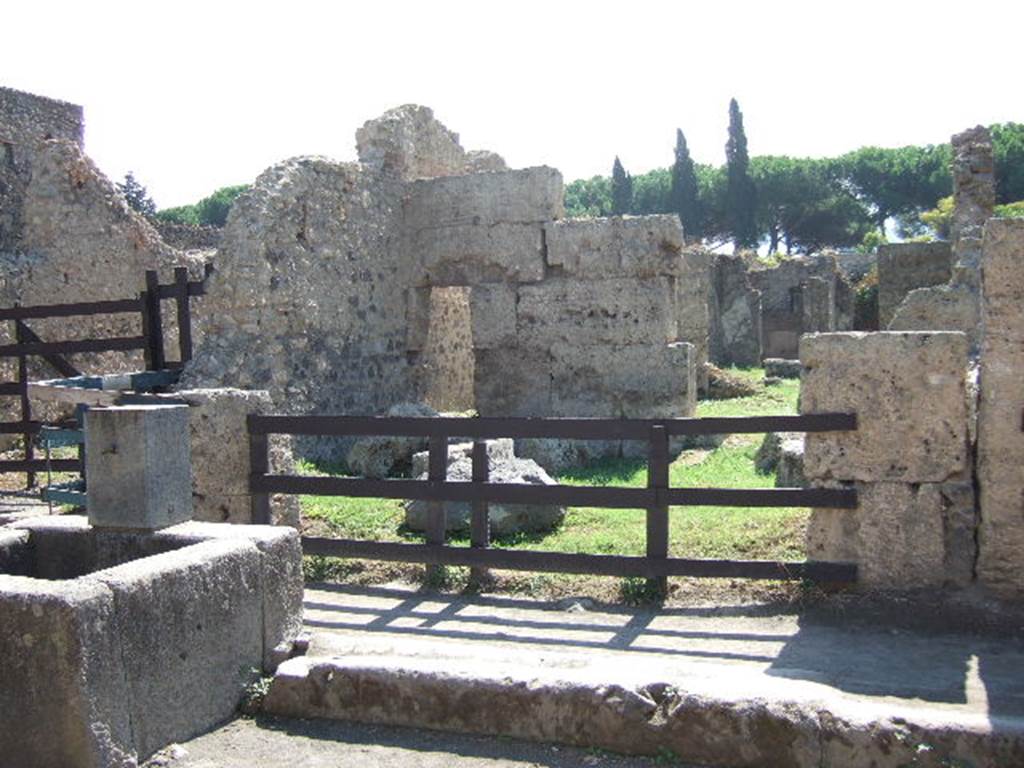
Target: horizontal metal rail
561, 562
40, 465
581, 429
560, 495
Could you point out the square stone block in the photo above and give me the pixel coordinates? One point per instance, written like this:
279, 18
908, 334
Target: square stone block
138, 466
620, 246
909, 391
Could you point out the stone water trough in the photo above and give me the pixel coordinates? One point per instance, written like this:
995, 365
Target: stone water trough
134, 627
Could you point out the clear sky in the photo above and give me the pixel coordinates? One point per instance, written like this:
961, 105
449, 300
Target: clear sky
192, 96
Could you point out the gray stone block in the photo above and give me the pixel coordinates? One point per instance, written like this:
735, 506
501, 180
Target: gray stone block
621, 246
909, 392
63, 693
15, 553
465, 254
138, 465
191, 635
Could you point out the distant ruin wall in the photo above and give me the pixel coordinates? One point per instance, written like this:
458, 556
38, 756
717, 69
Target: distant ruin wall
735, 332
904, 267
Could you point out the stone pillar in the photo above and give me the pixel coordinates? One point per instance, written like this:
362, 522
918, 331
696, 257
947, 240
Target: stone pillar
220, 456
138, 466
974, 196
1000, 410
909, 458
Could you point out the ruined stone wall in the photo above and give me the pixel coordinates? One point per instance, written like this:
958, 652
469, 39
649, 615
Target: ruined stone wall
803, 294
25, 121
1001, 409
909, 459
956, 305
307, 300
189, 237
735, 326
904, 267
447, 363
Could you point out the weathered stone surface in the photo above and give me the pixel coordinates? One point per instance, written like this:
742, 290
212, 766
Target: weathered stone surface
723, 385
220, 456
15, 554
790, 469
632, 381
940, 308
783, 369
904, 267
138, 464
499, 450
447, 362
191, 635
409, 143
736, 315
478, 252
483, 161
901, 536
511, 381
693, 311
621, 246
504, 519
309, 298
556, 456
974, 196
62, 696
493, 313
612, 312
377, 456
909, 392
1000, 440
527, 196
281, 580
819, 305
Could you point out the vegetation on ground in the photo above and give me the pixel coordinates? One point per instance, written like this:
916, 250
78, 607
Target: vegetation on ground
699, 532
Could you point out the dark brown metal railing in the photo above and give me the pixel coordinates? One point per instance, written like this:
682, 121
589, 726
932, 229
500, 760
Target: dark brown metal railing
150, 341
656, 498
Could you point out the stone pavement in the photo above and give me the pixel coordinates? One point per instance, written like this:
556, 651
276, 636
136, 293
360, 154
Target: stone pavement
720, 685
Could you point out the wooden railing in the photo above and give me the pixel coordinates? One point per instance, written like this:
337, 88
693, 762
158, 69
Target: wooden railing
656, 498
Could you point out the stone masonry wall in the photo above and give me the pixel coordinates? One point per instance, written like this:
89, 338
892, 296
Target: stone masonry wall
447, 365
904, 267
910, 458
735, 328
956, 305
1001, 409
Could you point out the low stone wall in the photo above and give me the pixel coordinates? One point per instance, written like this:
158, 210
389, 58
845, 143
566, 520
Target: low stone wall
1000, 410
910, 458
189, 237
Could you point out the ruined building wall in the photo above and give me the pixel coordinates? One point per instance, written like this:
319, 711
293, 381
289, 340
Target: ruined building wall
909, 458
446, 367
904, 267
735, 328
956, 305
1000, 410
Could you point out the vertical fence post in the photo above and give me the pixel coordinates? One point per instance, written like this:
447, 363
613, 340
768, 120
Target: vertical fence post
657, 514
437, 472
480, 524
26, 403
184, 313
259, 464
153, 323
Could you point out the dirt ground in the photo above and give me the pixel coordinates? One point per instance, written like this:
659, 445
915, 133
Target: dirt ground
274, 743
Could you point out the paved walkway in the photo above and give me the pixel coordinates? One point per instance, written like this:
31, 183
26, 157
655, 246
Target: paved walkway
943, 686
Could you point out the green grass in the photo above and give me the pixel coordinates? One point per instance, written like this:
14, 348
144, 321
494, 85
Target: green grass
703, 532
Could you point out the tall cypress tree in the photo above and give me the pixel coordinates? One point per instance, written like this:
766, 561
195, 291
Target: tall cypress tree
683, 193
622, 189
741, 194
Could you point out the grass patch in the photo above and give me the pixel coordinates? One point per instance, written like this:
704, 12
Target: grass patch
697, 532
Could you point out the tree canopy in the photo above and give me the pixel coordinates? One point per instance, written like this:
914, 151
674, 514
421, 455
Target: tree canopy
741, 194
136, 195
804, 204
684, 192
622, 189
210, 211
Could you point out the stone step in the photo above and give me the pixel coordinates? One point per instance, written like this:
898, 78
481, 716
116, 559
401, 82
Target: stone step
711, 714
